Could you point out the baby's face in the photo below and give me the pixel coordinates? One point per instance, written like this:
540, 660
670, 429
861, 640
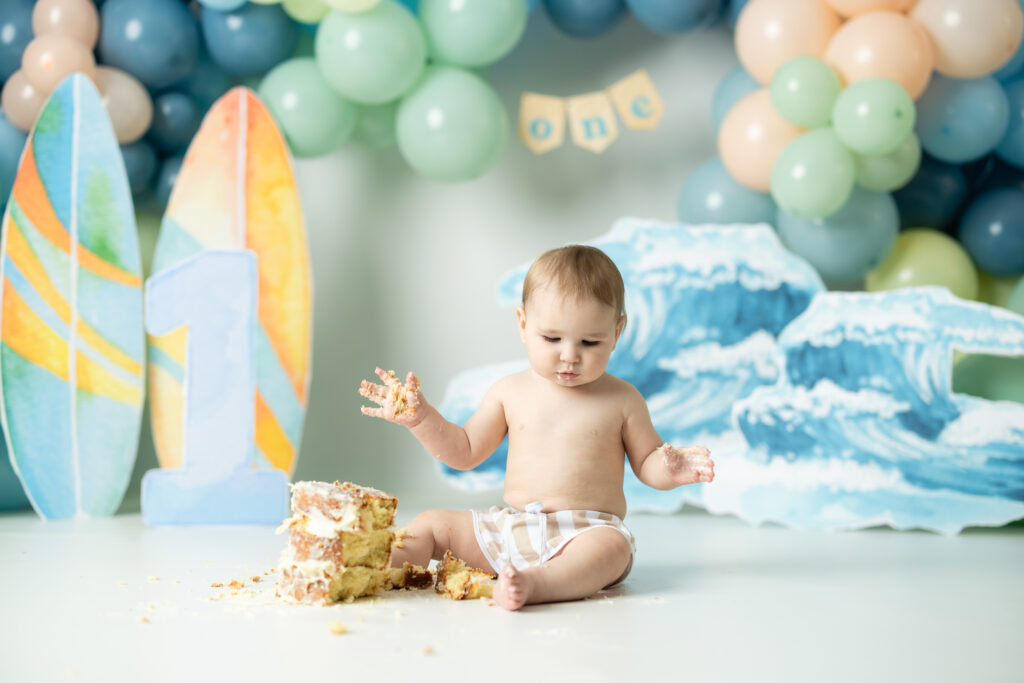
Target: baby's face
567, 341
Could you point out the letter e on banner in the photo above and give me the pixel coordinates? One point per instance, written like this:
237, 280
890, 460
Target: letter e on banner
638, 103
541, 122
592, 121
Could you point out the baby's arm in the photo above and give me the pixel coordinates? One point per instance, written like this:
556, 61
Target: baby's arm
460, 447
660, 465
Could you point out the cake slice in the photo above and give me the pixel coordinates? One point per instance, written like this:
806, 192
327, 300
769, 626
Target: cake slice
458, 581
410, 577
328, 509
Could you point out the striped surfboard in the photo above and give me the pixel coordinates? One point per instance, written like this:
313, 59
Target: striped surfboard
236, 190
71, 336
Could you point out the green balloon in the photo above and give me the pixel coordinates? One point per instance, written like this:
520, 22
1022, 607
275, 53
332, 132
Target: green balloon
374, 56
313, 117
375, 127
888, 172
996, 378
995, 290
1015, 302
873, 116
922, 256
814, 175
451, 126
804, 90
472, 32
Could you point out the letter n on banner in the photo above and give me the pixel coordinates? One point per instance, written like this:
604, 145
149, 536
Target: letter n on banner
541, 122
638, 102
592, 121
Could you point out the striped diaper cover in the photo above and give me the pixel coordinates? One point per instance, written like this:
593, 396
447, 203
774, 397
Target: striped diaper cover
526, 538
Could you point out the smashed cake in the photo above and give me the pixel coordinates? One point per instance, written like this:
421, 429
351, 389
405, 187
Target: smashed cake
458, 581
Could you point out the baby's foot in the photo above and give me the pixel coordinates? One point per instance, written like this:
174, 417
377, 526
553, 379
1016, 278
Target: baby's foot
513, 588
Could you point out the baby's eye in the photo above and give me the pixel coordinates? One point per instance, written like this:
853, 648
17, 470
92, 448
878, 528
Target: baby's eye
552, 339
587, 342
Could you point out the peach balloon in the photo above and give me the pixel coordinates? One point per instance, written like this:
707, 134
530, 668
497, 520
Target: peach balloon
851, 8
20, 101
49, 58
127, 101
76, 19
769, 33
971, 38
883, 45
751, 137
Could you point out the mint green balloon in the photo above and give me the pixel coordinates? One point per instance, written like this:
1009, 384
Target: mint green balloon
451, 126
996, 378
1015, 302
813, 176
314, 118
888, 172
472, 32
804, 90
376, 125
374, 56
873, 116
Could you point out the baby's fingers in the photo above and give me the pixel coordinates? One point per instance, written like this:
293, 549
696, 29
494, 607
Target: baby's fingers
388, 376
372, 412
374, 392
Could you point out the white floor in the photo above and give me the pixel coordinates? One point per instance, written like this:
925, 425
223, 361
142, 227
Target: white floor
709, 599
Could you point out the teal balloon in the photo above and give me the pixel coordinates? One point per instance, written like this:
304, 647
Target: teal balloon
711, 195
888, 172
814, 175
1015, 302
373, 56
472, 32
996, 378
873, 116
736, 85
804, 91
375, 126
314, 118
845, 246
451, 126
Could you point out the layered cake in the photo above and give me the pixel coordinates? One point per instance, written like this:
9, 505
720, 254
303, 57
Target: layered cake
339, 544
458, 581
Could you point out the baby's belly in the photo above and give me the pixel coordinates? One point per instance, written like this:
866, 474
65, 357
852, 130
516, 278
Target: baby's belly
566, 490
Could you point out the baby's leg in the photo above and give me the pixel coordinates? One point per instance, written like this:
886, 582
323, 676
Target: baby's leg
586, 564
432, 532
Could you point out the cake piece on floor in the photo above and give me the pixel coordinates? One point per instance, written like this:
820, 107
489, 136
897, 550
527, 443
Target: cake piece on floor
457, 581
410, 577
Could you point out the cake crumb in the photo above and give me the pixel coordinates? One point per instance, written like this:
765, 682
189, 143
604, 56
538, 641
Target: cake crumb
234, 584
337, 628
216, 585
428, 650
254, 579
153, 578
144, 620
122, 583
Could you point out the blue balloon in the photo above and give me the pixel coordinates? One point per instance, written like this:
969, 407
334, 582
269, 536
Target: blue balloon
140, 165
711, 195
1012, 69
675, 16
847, 245
223, 5
933, 197
992, 231
15, 34
250, 40
736, 85
206, 83
1011, 148
12, 142
176, 118
154, 40
12, 495
585, 18
166, 178
994, 172
962, 120
735, 7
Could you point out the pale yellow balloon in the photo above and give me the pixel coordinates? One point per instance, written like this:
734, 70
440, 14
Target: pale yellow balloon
925, 257
50, 58
352, 6
852, 8
76, 19
883, 45
971, 38
127, 101
306, 11
769, 33
20, 101
751, 137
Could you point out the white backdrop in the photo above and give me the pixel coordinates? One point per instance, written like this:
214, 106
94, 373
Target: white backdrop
405, 268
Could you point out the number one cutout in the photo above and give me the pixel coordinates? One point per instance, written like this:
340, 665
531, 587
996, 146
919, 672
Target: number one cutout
214, 295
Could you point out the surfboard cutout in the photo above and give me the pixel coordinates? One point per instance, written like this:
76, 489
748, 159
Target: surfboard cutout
71, 335
236, 190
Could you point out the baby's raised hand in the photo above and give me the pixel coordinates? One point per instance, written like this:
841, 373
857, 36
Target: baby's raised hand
689, 464
397, 401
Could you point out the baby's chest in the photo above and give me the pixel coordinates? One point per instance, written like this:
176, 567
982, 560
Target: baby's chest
562, 421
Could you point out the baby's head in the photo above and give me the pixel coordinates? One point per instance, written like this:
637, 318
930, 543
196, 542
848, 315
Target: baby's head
575, 299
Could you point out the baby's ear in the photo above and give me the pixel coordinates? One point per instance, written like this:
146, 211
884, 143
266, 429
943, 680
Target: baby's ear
521, 321
619, 326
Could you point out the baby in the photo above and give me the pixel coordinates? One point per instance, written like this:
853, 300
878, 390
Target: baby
568, 424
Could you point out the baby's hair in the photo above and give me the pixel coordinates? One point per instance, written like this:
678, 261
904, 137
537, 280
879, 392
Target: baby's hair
581, 272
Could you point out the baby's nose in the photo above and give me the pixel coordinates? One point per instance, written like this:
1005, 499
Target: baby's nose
569, 353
